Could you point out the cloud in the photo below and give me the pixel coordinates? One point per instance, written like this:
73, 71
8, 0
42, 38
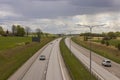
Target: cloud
65, 24
54, 8
93, 3
57, 16
4, 14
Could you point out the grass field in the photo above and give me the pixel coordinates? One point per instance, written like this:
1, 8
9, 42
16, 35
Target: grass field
74, 66
10, 42
11, 59
108, 52
113, 42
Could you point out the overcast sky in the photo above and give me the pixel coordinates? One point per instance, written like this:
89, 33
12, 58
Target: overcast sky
59, 16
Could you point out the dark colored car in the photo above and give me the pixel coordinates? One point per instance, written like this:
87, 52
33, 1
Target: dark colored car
42, 57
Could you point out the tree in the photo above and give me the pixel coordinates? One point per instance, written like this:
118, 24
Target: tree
6, 33
118, 46
107, 43
38, 32
117, 34
102, 41
27, 29
46, 34
111, 35
14, 29
20, 31
104, 34
1, 31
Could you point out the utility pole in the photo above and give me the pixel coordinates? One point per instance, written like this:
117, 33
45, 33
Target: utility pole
90, 27
70, 42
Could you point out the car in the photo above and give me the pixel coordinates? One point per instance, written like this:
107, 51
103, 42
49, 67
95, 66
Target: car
42, 57
106, 63
51, 43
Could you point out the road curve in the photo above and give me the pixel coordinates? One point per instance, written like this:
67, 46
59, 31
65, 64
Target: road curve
53, 68
83, 56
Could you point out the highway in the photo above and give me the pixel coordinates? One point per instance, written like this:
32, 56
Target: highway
104, 73
53, 68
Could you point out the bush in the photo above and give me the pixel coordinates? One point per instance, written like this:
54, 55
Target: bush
85, 38
103, 42
106, 38
107, 43
27, 43
118, 46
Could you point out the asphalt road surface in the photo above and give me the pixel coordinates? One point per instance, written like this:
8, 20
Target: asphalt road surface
105, 73
53, 68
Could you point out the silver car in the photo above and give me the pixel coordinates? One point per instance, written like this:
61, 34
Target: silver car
106, 63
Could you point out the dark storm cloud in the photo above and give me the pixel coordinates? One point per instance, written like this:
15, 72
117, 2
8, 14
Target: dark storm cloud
57, 8
93, 3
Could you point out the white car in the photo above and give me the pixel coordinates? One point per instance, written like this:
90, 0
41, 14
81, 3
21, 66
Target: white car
106, 63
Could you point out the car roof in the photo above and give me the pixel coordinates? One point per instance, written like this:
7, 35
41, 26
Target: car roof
106, 60
42, 55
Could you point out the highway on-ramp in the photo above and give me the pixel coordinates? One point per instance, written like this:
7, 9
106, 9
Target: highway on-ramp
53, 68
104, 73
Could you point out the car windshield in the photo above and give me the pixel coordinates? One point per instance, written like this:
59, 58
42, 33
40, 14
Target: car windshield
108, 61
42, 56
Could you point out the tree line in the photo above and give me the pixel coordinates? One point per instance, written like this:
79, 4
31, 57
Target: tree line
109, 35
106, 37
18, 30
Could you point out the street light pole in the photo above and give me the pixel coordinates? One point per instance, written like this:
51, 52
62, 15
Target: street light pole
90, 52
90, 27
70, 43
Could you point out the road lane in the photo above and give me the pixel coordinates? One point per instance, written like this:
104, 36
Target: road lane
96, 68
54, 71
39, 67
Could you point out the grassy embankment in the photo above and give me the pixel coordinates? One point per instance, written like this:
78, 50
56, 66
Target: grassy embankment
113, 42
74, 66
100, 49
12, 56
10, 42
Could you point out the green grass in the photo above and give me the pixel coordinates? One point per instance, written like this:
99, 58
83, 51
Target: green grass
108, 52
113, 42
12, 59
10, 42
74, 66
